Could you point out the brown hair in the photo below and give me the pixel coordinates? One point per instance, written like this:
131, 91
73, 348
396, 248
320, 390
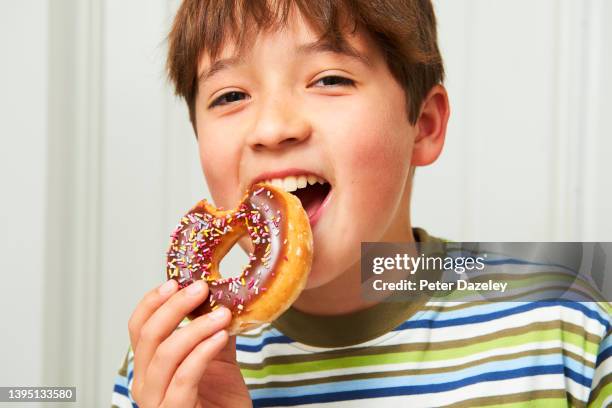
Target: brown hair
405, 30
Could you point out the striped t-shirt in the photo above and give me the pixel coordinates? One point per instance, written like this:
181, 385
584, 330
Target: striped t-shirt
451, 354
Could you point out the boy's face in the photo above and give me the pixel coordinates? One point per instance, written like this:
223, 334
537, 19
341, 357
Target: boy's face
286, 109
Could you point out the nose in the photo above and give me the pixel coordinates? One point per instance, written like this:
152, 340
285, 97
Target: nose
279, 124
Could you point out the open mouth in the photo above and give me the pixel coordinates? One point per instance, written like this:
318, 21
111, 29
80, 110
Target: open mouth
311, 190
312, 196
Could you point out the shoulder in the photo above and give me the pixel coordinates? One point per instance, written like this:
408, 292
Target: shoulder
591, 317
566, 332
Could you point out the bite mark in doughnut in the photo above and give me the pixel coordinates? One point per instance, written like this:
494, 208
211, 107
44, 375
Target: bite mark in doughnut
278, 266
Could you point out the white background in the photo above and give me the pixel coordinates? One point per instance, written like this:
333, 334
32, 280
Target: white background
98, 159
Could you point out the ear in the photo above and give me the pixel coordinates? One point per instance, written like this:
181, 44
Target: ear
431, 127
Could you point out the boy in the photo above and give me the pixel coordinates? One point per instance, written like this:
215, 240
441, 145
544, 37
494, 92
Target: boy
349, 92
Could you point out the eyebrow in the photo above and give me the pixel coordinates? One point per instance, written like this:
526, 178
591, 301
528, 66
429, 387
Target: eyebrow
320, 46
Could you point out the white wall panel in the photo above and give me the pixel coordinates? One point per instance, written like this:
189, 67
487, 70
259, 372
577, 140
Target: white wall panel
23, 161
132, 244
599, 211
527, 144
494, 175
108, 162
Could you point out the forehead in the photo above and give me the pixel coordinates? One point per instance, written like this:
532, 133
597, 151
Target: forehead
298, 35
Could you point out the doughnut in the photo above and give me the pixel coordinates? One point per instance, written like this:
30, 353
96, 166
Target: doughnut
279, 262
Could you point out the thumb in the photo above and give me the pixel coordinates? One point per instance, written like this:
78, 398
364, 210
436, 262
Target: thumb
228, 353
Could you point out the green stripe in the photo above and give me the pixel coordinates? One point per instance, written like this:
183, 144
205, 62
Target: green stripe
539, 403
553, 279
602, 391
533, 398
603, 395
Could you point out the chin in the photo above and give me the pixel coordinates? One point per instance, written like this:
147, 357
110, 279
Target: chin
319, 275
323, 271
316, 278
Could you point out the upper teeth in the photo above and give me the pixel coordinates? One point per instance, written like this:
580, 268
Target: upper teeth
292, 183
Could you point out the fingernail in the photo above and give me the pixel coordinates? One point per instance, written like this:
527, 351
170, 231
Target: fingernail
195, 288
167, 287
217, 314
218, 335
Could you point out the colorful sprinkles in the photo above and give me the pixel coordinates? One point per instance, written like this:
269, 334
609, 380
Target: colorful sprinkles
199, 233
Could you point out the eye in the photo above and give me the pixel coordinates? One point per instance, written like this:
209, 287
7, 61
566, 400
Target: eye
335, 80
227, 98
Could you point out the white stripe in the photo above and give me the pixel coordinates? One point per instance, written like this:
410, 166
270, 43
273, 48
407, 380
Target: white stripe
604, 368
405, 366
296, 348
121, 401
257, 331
593, 326
577, 390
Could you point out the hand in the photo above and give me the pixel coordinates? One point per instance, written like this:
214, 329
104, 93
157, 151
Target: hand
194, 366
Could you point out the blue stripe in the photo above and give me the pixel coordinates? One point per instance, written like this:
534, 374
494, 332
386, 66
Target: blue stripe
124, 391
579, 378
511, 261
425, 379
121, 380
407, 390
119, 389
265, 342
468, 311
503, 313
269, 331
606, 342
603, 356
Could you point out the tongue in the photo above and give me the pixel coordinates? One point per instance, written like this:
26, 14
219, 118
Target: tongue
312, 197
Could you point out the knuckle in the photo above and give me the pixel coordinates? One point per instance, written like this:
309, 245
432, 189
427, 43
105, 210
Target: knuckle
149, 334
147, 302
182, 378
163, 353
132, 325
150, 301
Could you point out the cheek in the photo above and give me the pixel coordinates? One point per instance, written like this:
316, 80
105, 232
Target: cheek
378, 156
372, 162
378, 153
372, 138
378, 177
221, 177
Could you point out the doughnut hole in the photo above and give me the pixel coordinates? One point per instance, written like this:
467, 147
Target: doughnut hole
234, 262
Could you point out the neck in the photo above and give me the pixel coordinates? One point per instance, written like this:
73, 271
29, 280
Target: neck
340, 296
343, 294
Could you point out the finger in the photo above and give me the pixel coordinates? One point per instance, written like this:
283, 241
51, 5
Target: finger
183, 389
175, 349
228, 354
162, 323
147, 306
